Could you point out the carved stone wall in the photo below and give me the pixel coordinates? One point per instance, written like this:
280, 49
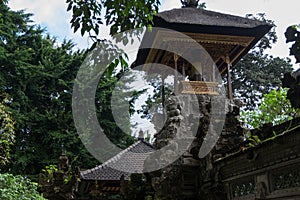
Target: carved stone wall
292, 82
268, 171
190, 121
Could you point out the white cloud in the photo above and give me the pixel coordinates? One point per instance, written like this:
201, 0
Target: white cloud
169, 4
53, 15
50, 12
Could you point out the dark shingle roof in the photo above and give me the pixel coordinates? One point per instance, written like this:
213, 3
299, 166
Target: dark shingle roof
203, 17
130, 160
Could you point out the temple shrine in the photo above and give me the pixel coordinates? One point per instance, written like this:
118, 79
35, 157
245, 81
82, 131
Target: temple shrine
226, 39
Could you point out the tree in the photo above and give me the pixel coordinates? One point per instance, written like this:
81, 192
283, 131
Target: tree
117, 132
118, 14
258, 73
274, 109
38, 75
193, 3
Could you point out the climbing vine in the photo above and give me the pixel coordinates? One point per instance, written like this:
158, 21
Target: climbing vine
7, 133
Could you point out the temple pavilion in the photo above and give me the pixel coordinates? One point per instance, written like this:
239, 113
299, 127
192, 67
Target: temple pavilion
226, 39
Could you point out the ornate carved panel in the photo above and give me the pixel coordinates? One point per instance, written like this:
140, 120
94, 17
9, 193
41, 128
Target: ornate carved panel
243, 188
199, 87
273, 172
285, 180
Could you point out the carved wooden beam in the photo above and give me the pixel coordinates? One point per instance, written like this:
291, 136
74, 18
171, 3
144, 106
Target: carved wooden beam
199, 87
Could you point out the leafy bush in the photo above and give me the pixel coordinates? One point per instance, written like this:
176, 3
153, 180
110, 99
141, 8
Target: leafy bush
275, 108
18, 188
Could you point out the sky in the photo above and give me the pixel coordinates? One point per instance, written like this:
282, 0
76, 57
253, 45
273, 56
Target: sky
52, 15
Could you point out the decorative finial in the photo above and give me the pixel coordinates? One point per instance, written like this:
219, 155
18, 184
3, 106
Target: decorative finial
190, 3
63, 164
141, 135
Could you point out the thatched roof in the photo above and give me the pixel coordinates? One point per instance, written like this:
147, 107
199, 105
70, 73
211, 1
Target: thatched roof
209, 24
195, 16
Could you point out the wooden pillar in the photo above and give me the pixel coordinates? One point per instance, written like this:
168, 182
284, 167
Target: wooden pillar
229, 83
176, 74
183, 71
163, 95
213, 73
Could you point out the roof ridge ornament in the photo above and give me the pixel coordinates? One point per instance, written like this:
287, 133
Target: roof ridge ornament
189, 3
141, 135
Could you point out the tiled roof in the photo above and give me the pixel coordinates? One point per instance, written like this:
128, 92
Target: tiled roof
130, 160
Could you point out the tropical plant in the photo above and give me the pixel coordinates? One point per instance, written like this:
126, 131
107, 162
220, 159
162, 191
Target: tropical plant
17, 187
274, 109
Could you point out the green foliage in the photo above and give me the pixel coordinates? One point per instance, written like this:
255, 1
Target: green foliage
292, 35
7, 133
118, 14
50, 169
258, 73
88, 16
253, 140
4, 1
153, 103
17, 187
275, 108
267, 40
107, 121
136, 188
38, 75
201, 5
